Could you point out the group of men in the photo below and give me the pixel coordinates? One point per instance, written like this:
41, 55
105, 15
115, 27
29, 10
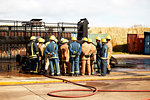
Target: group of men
47, 58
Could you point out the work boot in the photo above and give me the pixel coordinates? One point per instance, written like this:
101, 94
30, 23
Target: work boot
71, 74
102, 75
93, 73
89, 74
64, 74
82, 74
31, 72
57, 74
77, 74
41, 73
46, 74
108, 72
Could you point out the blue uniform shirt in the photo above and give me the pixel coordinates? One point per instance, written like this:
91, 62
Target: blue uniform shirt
52, 48
74, 48
99, 47
104, 52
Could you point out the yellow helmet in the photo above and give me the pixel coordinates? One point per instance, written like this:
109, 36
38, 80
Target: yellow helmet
52, 37
89, 40
74, 38
32, 38
56, 40
67, 40
85, 39
103, 40
108, 37
41, 40
98, 38
64, 41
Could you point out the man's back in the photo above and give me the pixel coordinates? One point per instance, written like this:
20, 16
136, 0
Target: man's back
64, 51
86, 48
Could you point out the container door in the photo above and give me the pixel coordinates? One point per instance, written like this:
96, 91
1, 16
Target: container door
132, 43
140, 44
147, 43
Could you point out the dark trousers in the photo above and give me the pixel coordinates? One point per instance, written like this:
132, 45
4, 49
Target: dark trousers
34, 65
103, 67
98, 60
41, 65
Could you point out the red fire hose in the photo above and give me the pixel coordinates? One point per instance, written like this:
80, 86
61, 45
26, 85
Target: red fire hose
91, 88
64, 80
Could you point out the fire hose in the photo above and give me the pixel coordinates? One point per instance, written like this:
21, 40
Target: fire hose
91, 88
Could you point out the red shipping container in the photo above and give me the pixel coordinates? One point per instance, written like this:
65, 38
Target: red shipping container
135, 43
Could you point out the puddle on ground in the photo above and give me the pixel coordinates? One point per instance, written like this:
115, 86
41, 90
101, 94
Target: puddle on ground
133, 64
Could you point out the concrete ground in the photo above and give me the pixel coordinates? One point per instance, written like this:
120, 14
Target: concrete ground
39, 91
18, 86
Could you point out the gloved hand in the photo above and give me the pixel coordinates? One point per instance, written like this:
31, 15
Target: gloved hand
77, 54
87, 56
50, 55
92, 55
74, 53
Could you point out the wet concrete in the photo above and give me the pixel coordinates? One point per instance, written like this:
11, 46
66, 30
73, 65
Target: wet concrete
133, 77
8, 66
125, 63
132, 64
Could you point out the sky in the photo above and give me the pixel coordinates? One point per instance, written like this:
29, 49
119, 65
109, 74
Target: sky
100, 13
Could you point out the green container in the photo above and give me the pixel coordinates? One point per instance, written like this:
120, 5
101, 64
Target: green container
94, 35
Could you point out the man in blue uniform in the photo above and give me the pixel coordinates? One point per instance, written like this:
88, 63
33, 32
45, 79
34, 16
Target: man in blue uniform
52, 52
32, 51
98, 47
75, 51
103, 55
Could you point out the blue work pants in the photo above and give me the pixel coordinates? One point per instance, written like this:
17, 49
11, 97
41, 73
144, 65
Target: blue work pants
98, 60
74, 65
103, 67
54, 63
